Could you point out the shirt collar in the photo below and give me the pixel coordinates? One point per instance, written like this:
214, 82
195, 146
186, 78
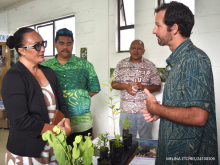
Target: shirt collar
177, 53
55, 61
142, 59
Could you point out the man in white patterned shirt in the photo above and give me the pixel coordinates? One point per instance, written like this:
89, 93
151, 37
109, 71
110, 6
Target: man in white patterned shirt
132, 75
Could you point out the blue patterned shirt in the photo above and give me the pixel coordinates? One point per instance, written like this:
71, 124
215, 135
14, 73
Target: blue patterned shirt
188, 83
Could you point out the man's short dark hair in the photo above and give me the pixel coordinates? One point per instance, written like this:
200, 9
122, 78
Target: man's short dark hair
64, 32
178, 13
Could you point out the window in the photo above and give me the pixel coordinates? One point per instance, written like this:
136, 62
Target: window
189, 3
48, 31
125, 24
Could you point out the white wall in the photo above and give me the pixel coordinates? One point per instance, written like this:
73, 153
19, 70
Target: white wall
4, 23
96, 30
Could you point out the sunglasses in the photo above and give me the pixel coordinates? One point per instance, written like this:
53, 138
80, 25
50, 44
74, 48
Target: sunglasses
37, 46
64, 31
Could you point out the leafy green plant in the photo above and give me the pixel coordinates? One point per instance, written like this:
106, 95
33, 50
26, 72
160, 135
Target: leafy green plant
115, 111
117, 142
82, 150
80, 154
102, 140
126, 123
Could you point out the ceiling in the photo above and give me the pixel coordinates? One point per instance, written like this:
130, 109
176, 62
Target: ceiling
9, 4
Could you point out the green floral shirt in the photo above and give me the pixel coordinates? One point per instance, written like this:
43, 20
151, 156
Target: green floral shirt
77, 78
188, 83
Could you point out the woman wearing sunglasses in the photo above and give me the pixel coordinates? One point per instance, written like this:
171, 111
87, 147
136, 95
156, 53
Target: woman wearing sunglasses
31, 94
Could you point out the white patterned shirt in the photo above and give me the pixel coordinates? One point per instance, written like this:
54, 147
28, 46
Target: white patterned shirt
127, 72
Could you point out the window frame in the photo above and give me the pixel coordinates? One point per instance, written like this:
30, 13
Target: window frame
121, 27
159, 2
50, 22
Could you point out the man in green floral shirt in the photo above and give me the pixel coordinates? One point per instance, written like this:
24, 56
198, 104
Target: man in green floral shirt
78, 81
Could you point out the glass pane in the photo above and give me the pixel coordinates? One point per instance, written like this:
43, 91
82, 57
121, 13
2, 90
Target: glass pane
129, 11
189, 3
47, 34
32, 27
126, 12
68, 23
127, 36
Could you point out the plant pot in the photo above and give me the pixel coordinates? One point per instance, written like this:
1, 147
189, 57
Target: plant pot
127, 141
125, 131
118, 153
111, 142
104, 162
104, 153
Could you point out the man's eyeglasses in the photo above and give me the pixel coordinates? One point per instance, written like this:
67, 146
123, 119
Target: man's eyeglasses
62, 31
37, 46
134, 48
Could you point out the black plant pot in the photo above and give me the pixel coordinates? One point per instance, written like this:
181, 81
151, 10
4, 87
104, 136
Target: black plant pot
111, 142
118, 153
100, 162
127, 141
125, 131
104, 153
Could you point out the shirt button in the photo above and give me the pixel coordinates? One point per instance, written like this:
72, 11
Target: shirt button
65, 86
64, 75
63, 66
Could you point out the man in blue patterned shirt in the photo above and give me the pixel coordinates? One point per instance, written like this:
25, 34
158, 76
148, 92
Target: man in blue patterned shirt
187, 133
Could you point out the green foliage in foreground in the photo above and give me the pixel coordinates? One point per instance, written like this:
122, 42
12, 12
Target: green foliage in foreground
81, 153
126, 123
117, 143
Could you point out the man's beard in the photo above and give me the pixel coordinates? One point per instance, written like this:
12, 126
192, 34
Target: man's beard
164, 41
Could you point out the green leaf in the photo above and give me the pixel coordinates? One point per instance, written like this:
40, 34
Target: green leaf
81, 146
73, 161
67, 162
44, 136
69, 147
75, 153
64, 144
114, 84
61, 137
78, 139
90, 152
56, 129
60, 154
106, 102
49, 138
113, 78
116, 95
88, 143
87, 160
116, 102
117, 137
